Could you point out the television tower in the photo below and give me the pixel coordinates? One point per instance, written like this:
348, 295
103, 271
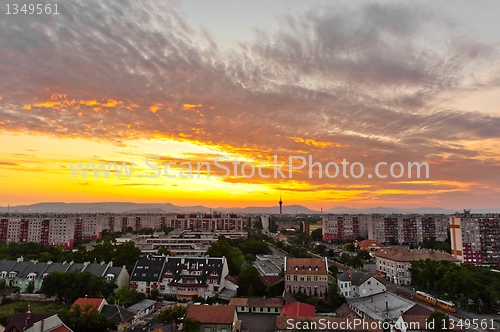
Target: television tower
281, 205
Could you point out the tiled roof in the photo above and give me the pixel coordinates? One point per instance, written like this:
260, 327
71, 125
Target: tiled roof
369, 243
20, 323
358, 278
257, 302
408, 255
117, 314
84, 301
211, 314
418, 310
305, 266
270, 281
298, 309
344, 311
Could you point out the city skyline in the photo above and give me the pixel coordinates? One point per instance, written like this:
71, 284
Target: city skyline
192, 81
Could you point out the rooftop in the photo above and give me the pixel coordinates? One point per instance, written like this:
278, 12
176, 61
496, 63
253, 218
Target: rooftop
381, 306
408, 255
305, 266
298, 309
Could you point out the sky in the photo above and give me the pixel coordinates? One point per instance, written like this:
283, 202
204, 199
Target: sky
164, 85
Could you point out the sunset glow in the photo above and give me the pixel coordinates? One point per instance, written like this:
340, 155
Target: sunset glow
392, 82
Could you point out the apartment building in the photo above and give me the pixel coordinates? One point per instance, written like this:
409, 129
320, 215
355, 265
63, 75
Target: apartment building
344, 226
475, 238
307, 275
183, 277
393, 228
394, 264
70, 229
354, 284
20, 273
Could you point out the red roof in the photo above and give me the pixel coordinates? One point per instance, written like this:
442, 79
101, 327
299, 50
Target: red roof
84, 301
298, 309
369, 244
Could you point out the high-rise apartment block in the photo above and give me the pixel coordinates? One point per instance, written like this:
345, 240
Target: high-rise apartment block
69, 229
395, 228
475, 238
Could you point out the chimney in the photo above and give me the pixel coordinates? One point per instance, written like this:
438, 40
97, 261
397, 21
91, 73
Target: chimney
387, 306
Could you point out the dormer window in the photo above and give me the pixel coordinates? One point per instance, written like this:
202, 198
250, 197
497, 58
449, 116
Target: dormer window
31, 276
316, 268
303, 268
296, 268
12, 274
4, 274
309, 268
110, 276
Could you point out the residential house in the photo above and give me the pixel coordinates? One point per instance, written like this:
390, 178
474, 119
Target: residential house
20, 273
96, 303
143, 308
121, 318
50, 324
306, 275
394, 264
258, 305
22, 321
215, 318
358, 284
182, 277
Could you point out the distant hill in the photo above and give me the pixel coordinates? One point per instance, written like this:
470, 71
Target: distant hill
129, 207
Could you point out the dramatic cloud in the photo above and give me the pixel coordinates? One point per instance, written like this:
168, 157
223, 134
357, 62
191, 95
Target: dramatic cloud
377, 82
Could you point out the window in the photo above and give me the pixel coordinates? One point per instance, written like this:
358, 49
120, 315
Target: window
315, 278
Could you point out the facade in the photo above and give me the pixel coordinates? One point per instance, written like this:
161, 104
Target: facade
215, 318
68, 230
307, 275
182, 277
191, 243
396, 228
475, 238
258, 305
29, 322
21, 274
394, 264
354, 284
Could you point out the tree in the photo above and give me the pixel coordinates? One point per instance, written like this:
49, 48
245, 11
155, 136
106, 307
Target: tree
364, 254
68, 286
250, 258
172, 315
102, 252
349, 246
250, 281
317, 234
333, 269
233, 255
438, 321
191, 325
164, 251
31, 288
85, 319
273, 226
126, 297
257, 224
126, 254
335, 298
